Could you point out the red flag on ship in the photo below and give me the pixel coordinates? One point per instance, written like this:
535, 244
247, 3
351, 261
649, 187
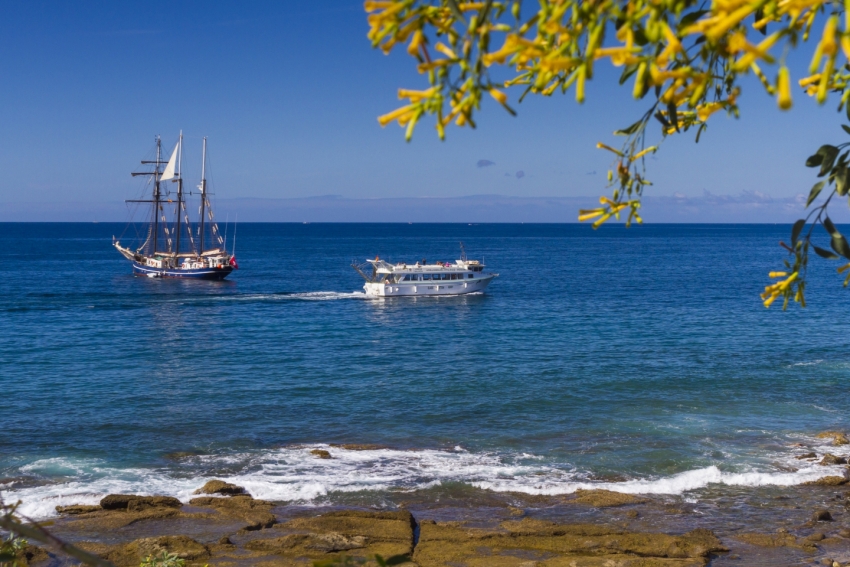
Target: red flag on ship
233, 263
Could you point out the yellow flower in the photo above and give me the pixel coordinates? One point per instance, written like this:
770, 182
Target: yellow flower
394, 115
499, 96
783, 88
602, 146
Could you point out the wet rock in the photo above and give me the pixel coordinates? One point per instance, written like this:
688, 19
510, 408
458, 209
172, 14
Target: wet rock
605, 498
817, 536
830, 459
845, 533
77, 509
321, 453
225, 541
827, 481
220, 487
256, 513
180, 455
811, 455
133, 503
580, 544
821, 516
841, 439
780, 539
514, 511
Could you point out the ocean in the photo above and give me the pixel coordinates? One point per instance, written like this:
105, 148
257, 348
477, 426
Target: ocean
636, 360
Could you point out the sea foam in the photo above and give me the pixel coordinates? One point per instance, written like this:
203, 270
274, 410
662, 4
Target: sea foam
294, 475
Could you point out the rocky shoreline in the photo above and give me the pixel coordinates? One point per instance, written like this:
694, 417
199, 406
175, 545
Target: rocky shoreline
224, 525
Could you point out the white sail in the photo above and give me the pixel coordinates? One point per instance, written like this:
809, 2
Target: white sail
168, 174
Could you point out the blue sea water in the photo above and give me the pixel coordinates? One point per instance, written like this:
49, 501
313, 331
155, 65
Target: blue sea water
639, 360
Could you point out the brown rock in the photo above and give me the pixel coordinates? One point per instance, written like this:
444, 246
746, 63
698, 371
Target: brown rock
321, 453
358, 446
821, 516
220, 487
256, 513
605, 498
827, 481
817, 536
30, 555
357, 534
830, 459
841, 439
131, 554
557, 544
131, 502
77, 509
811, 455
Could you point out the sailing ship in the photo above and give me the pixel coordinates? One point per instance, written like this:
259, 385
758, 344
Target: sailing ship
175, 247
423, 279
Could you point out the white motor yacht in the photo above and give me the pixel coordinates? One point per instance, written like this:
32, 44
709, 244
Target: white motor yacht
421, 279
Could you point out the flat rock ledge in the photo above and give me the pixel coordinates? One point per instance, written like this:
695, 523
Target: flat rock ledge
361, 535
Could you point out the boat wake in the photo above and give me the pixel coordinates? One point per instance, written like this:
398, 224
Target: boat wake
295, 475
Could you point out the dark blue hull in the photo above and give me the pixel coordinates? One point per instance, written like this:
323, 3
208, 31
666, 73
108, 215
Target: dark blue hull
194, 273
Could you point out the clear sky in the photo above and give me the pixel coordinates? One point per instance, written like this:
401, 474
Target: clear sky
288, 94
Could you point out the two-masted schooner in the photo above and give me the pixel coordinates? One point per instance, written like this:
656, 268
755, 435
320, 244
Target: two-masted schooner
175, 247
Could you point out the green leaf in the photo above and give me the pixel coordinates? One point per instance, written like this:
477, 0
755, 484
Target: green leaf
840, 245
630, 130
796, 229
814, 160
628, 72
829, 154
846, 128
830, 228
813, 194
673, 115
660, 117
688, 19
841, 185
7, 556
825, 253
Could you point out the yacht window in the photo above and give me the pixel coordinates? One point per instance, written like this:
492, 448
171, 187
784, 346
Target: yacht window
426, 276
470, 276
407, 278
454, 276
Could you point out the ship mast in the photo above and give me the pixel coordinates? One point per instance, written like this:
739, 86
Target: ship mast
156, 194
203, 188
179, 192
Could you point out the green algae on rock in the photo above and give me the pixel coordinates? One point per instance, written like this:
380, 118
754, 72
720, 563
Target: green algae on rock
605, 498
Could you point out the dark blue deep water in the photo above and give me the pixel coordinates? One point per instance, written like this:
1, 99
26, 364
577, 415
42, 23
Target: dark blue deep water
640, 360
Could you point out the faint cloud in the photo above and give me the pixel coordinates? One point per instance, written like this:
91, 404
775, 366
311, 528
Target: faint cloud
134, 32
520, 174
485, 163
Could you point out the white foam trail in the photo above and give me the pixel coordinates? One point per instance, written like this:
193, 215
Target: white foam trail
294, 475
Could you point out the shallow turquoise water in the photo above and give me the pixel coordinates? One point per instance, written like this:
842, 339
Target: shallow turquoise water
640, 360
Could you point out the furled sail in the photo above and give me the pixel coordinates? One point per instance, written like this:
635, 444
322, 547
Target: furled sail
168, 174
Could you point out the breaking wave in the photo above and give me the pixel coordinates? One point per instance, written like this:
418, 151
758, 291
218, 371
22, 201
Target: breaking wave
294, 475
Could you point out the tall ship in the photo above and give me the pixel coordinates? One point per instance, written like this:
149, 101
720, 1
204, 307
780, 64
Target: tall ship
423, 279
174, 246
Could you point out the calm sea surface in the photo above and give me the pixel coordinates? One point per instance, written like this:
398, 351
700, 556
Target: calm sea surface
639, 360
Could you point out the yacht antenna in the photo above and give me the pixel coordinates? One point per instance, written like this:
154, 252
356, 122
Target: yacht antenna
234, 233
462, 252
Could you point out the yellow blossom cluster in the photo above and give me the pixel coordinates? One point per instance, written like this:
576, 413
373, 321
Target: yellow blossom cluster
685, 57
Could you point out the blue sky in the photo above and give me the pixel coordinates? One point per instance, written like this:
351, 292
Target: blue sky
288, 94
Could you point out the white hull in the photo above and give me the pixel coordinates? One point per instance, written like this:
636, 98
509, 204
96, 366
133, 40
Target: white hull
427, 288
